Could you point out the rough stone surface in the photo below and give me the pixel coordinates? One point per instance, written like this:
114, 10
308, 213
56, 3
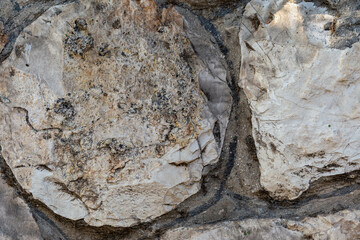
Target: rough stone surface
302, 83
251, 229
101, 113
66, 49
15, 16
213, 80
201, 4
342, 225
13, 212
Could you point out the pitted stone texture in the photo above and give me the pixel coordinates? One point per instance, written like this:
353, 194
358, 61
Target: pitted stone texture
342, 225
303, 95
101, 114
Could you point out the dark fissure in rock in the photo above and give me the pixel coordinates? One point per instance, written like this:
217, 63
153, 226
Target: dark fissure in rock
221, 187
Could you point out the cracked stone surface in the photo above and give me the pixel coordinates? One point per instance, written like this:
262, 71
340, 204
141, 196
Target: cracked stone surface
126, 120
300, 73
101, 113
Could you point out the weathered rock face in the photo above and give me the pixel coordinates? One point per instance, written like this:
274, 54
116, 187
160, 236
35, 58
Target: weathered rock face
301, 78
14, 211
342, 225
101, 113
251, 229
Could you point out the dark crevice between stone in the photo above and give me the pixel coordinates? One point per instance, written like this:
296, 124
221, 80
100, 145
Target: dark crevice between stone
209, 9
216, 133
297, 209
325, 187
51, 224
33, 204
326, 195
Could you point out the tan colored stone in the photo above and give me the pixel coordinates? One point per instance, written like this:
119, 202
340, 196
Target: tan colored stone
101, 113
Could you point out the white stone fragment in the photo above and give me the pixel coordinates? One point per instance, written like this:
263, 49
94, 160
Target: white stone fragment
304, 95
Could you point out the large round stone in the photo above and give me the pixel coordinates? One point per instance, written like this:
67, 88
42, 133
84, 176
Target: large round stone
101, 114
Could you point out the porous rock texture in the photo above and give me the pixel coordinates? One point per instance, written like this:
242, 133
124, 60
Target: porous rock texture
101, 113
342, 225
138, 119
300, 72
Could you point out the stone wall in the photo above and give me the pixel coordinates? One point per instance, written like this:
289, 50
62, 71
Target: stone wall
158, 119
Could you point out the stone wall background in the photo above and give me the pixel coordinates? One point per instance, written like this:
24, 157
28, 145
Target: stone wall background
232, 201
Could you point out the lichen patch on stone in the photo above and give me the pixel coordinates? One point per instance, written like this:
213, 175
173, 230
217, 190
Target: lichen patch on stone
103, 110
